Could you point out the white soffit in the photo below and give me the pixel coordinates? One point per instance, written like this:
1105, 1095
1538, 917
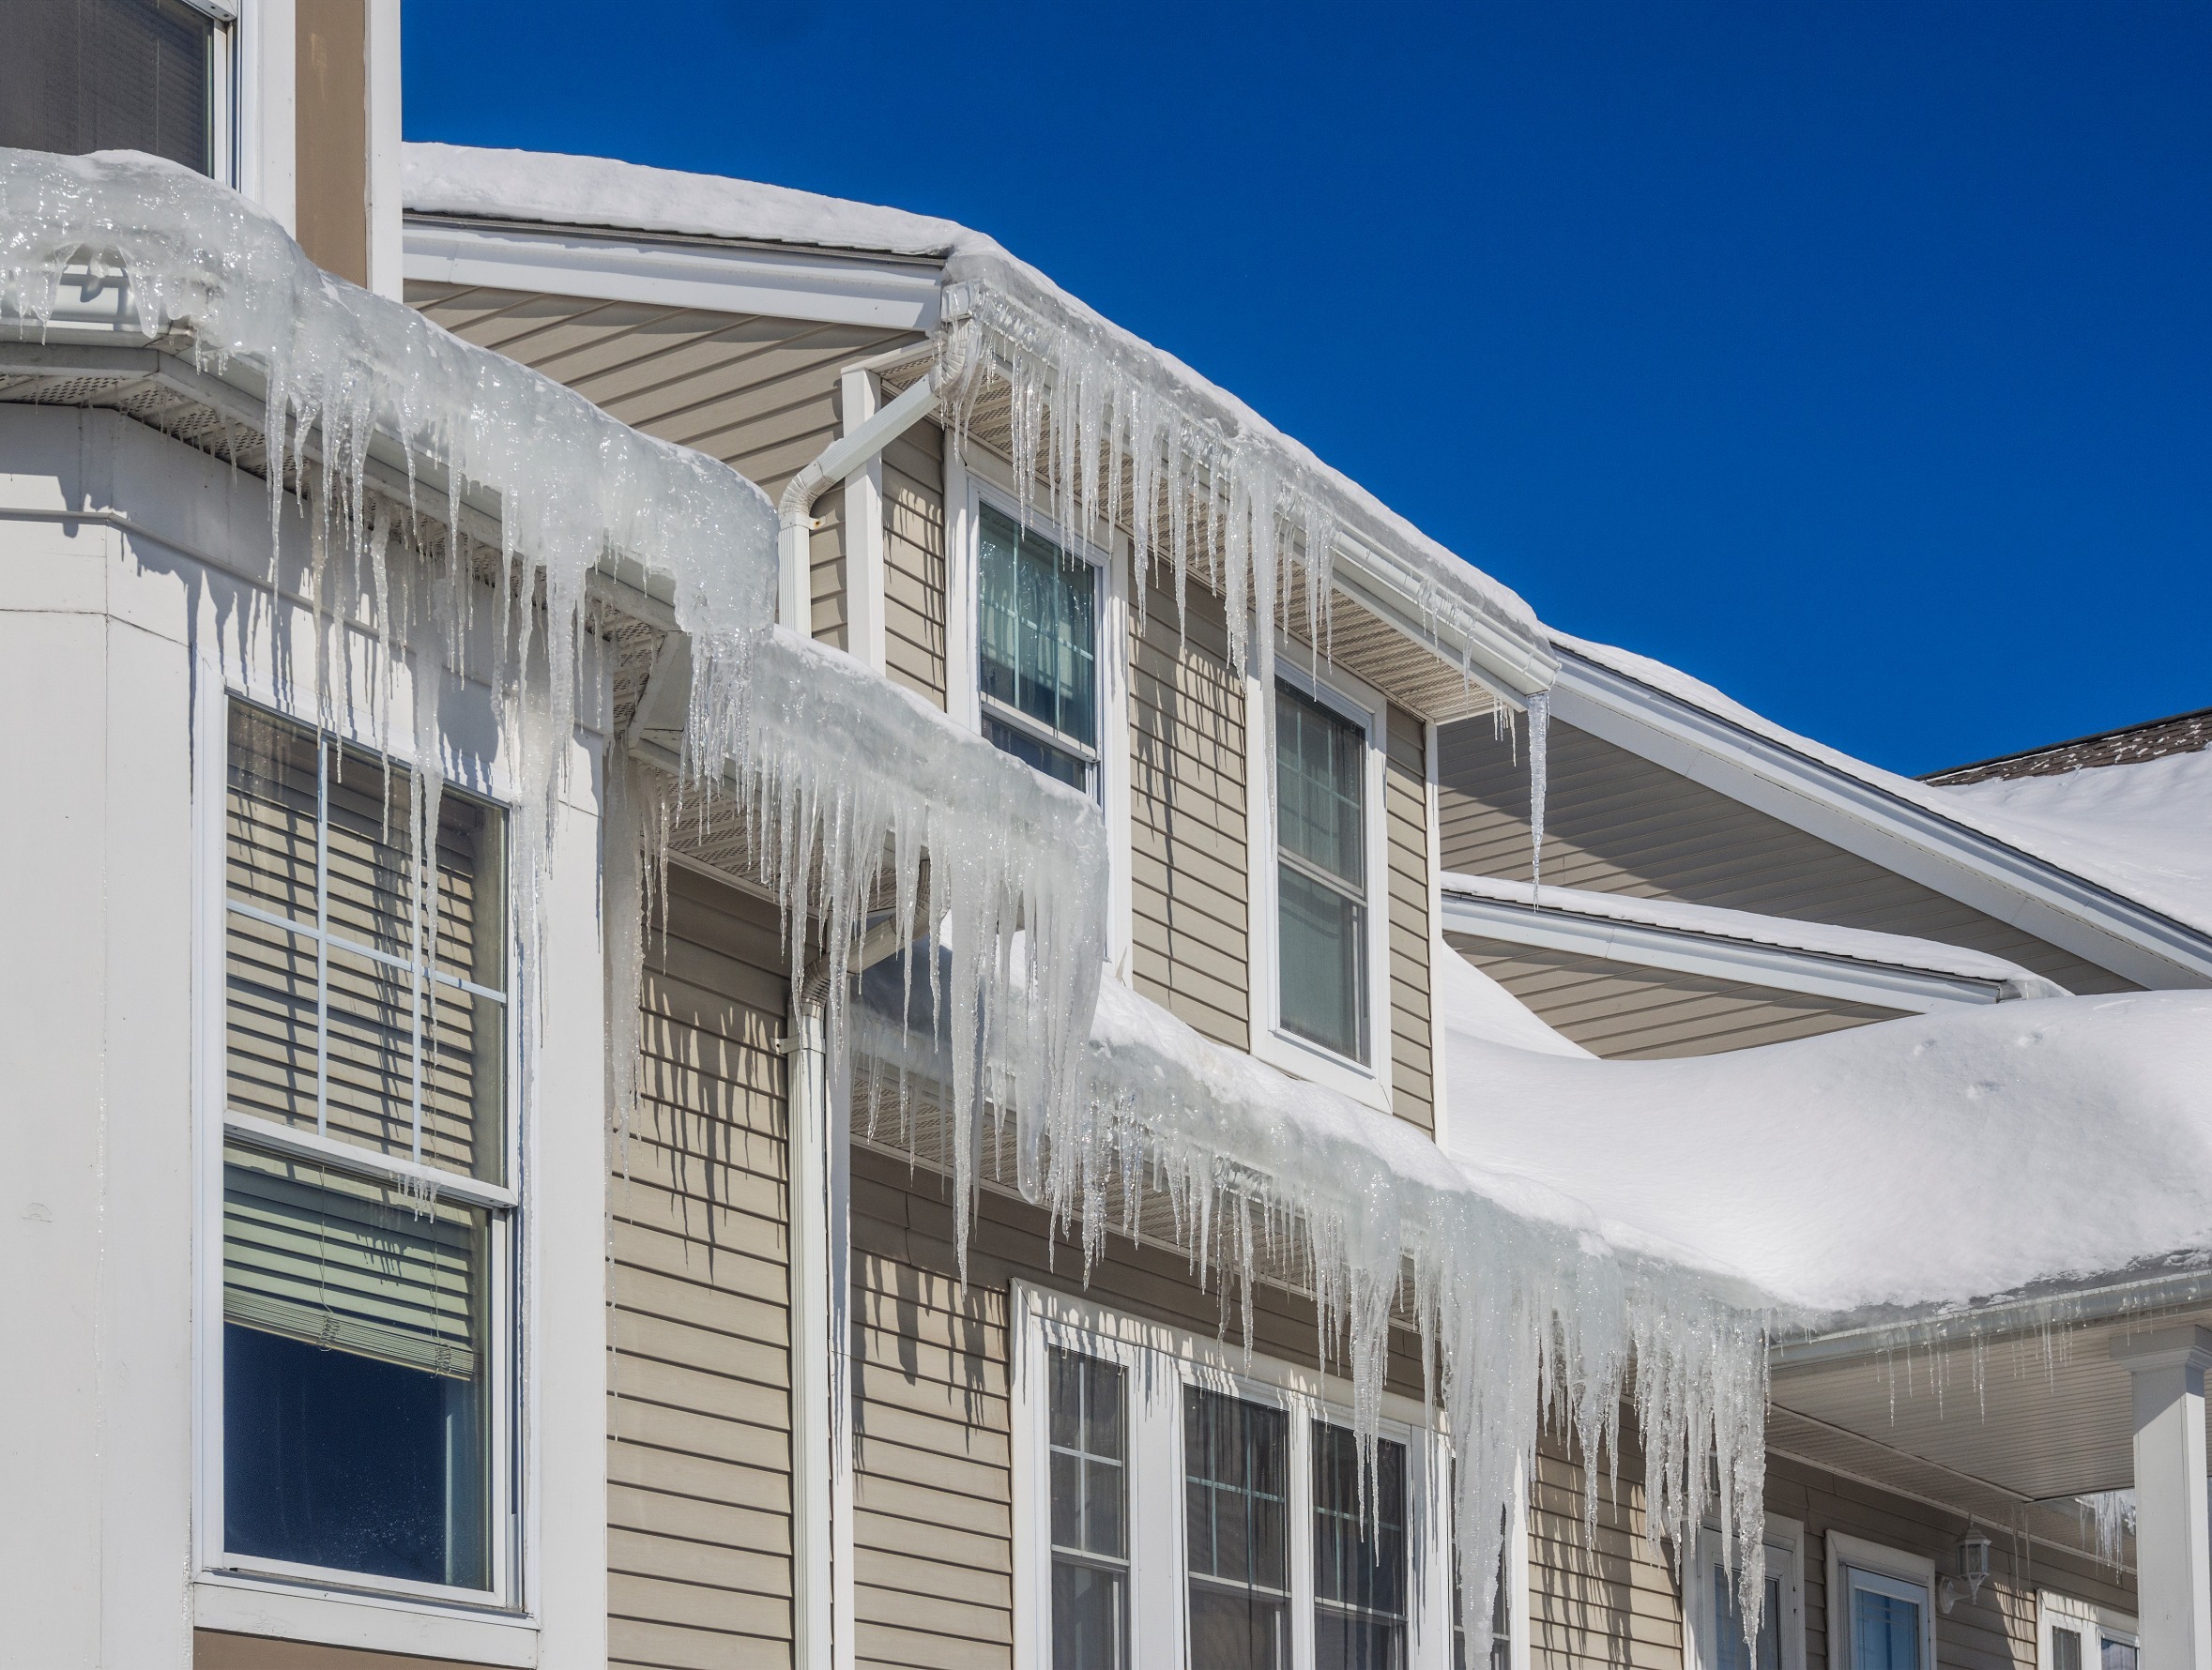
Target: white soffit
2053, 905
885, 292
1712, 955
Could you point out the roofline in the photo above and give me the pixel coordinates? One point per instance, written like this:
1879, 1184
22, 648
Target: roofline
2029, 754
1716, 954
2092, 922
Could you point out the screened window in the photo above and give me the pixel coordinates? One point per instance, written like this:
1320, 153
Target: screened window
366, 1039
1090, 1514
1359, 1554
1236, 1531
1037, 655
1321, 873
101, 75
1729, 1650
1886, 1618
2066, 1649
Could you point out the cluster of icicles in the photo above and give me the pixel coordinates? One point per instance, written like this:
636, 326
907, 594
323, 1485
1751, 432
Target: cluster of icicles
865, 805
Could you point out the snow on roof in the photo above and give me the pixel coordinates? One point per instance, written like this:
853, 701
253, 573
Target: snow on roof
1929, 1159
1483, 1008
2141, 848
1821, 939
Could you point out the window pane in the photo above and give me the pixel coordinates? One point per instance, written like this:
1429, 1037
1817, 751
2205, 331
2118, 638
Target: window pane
1321, 766
1037, 628
355, 1374
1728, 1626
1236, 1522
1884, 1630
103, 75
1324, 960
1359, 1552
1090, 1512
2119, 1655
351, 1011
1056, 763
2066, 1649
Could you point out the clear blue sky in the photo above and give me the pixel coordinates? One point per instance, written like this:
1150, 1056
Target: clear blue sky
1854, 356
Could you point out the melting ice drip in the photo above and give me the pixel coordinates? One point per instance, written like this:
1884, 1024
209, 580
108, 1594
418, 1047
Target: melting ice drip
855, 791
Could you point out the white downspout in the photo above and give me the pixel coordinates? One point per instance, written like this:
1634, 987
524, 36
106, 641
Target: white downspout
812, 1608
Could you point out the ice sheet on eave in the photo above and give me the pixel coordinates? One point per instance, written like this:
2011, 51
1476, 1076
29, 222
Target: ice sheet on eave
602, 193
1927, 1160
2136, 844
1856, 945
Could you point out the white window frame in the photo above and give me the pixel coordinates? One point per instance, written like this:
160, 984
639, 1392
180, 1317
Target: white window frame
1367, 1082
215, 1123
1785, 1560
2097, 1625
969, 485
1889, 1569
1158, 1361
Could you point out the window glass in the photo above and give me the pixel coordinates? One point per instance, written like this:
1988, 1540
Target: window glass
1090, 1514
1359, 1554
1321, 879
2066, 1649
1729, 1649
105, 75
1884, 1630
369, 1010
1037, 654
1236, 1479
2118, 1654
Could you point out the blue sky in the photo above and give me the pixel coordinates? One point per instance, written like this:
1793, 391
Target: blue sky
1855, 357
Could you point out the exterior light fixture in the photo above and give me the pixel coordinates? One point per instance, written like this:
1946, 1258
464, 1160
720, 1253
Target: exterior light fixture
1973, 1562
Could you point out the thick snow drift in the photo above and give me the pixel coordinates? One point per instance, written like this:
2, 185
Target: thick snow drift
1926, 1161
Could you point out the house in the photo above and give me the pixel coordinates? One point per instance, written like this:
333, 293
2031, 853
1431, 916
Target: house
738, 942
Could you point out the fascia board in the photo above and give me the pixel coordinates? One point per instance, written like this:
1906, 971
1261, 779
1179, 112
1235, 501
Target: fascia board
2038, 898
1774, 968
886, 294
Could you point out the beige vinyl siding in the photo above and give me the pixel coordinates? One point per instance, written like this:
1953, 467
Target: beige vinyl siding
1187, 819
914, 561
1603, 1602
213, 1650
1615, 822
1405, 793
1619, 1010
698, 1376
759, 393
932, 1481
1994, 1631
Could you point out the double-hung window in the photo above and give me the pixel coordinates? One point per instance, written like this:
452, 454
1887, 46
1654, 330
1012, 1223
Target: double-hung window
1089, 1439
1881, 1606
1716, 1614
1359, 1552
1236, 1531
367, 1218
1321, 875
105, 75
2076, 1634
1037, 649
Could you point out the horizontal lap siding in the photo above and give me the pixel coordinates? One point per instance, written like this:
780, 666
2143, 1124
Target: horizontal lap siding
933, 1466
1405, 789
914, 561
698, 1378
1608, 1601
760, 394
1187, 820
1995, 1630
1615, 822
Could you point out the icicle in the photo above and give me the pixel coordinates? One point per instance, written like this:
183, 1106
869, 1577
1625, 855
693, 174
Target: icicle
1539, 782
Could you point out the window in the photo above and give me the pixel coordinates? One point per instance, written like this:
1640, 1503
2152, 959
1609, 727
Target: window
101, 75
1181, 1504
1717, 1619
1321, 873
2076, 1634
366, 1219
1881, 1615
1237, 1534
1359, 1554
1089, 1515
1037, 649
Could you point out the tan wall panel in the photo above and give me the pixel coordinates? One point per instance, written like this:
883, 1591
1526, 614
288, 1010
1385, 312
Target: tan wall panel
1187, 816
1602, 1601
1405, 789
1620, 1011
1615, 822
213, 1650
914, 561
698, 1371
331, 134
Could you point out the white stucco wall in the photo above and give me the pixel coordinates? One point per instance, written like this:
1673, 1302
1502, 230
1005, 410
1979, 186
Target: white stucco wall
113, 622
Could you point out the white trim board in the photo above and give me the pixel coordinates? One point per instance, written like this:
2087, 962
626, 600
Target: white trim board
779, 284
1977, 870
1713, 956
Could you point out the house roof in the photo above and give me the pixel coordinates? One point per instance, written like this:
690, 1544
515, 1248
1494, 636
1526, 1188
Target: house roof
2149, 739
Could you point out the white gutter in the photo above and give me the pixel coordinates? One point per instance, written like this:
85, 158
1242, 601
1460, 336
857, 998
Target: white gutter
841, 458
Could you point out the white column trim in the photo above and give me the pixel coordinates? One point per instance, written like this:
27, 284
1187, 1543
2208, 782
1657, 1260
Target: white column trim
2172, 1541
